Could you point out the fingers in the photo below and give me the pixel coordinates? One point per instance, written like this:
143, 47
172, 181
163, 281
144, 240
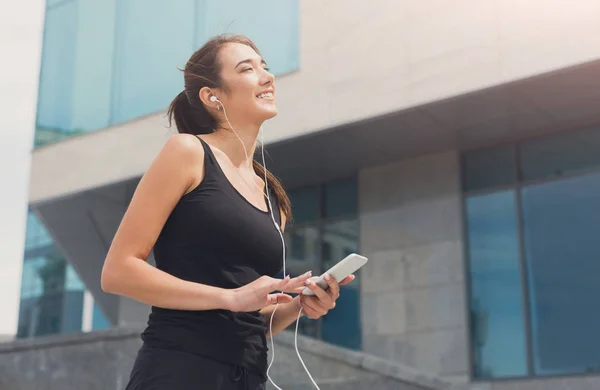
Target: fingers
322, 302
347, 280
298, 283
274, 299
334, 287
278, 284
311, 307
319, 292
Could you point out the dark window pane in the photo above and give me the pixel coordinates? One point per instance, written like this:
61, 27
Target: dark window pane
99, 320
305, 204
45, 307
340, 198
497, 326
561, 231
560, 154
487, 168
72, 311
36, 235
302, 243
342, 325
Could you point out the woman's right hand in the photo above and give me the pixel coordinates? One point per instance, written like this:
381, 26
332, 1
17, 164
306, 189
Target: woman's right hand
258, 294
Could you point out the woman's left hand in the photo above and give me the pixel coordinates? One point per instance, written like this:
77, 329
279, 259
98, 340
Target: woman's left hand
324, 300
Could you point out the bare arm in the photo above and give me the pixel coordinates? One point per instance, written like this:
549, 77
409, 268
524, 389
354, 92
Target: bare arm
174, 172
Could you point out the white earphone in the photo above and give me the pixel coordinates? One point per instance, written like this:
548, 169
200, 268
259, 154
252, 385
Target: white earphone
215, 99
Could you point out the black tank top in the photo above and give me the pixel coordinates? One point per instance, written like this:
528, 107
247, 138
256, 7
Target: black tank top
215, 236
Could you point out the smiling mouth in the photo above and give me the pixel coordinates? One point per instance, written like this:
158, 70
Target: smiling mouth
265, 95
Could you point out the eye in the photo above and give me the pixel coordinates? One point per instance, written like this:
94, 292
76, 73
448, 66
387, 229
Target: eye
246, 69
267, 69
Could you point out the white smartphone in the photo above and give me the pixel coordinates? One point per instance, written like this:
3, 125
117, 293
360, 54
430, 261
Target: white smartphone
339, 272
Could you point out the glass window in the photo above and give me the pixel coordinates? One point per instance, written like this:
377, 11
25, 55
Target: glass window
99, 320
94, 77
305, 204
52, 3
316, 241
155, 37
36, 235
72, 313
489, 168
303, 242
342, 325
31, 283
72, 280
559, 189
104, 62
340, 198
41, 295
497, 324
51, 290
561, 226
560, 154
258, 20
56, 74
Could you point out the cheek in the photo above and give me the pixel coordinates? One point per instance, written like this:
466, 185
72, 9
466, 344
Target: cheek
243, 97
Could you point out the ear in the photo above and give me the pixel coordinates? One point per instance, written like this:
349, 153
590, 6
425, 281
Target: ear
204, 95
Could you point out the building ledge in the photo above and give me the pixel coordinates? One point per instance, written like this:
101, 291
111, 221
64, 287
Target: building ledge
363, 361
306, 346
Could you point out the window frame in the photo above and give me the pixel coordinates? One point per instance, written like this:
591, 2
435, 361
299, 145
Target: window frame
517, 187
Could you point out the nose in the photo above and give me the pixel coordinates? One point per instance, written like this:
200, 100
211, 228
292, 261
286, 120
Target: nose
267, 78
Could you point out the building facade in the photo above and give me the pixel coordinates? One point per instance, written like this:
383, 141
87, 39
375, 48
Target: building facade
21, 26
455, 144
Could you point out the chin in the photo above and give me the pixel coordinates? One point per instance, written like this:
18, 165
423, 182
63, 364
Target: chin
269, 113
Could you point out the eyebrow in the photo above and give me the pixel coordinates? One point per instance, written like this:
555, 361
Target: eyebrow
249, 61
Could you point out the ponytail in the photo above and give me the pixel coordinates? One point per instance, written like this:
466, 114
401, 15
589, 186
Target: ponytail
190, 119
272, 182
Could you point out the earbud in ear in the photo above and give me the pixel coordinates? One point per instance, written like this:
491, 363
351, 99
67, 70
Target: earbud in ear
214, 99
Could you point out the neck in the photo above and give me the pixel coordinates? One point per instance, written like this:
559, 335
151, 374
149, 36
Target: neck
231, 145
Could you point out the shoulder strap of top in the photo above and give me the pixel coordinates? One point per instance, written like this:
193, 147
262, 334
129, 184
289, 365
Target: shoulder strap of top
207, 150
211, 168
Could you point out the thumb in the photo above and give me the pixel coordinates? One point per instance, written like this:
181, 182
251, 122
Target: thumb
274, 299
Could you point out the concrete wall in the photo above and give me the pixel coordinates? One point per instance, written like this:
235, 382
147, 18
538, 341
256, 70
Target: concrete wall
21, 24
401, 54
413, 289
406, 53
413, 298
103, 360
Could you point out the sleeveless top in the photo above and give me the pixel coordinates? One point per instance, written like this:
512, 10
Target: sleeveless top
215, 236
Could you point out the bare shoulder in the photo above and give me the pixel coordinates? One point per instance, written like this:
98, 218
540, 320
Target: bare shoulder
175, 169
186, 147
184, 153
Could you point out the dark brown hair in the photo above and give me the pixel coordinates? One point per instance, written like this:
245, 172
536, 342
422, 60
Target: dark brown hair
192, 117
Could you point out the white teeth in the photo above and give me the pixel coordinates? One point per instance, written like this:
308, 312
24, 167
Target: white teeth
265, 95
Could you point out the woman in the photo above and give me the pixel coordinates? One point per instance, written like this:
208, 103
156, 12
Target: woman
205, 210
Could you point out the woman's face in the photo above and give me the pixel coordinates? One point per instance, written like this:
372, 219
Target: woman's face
250, 94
